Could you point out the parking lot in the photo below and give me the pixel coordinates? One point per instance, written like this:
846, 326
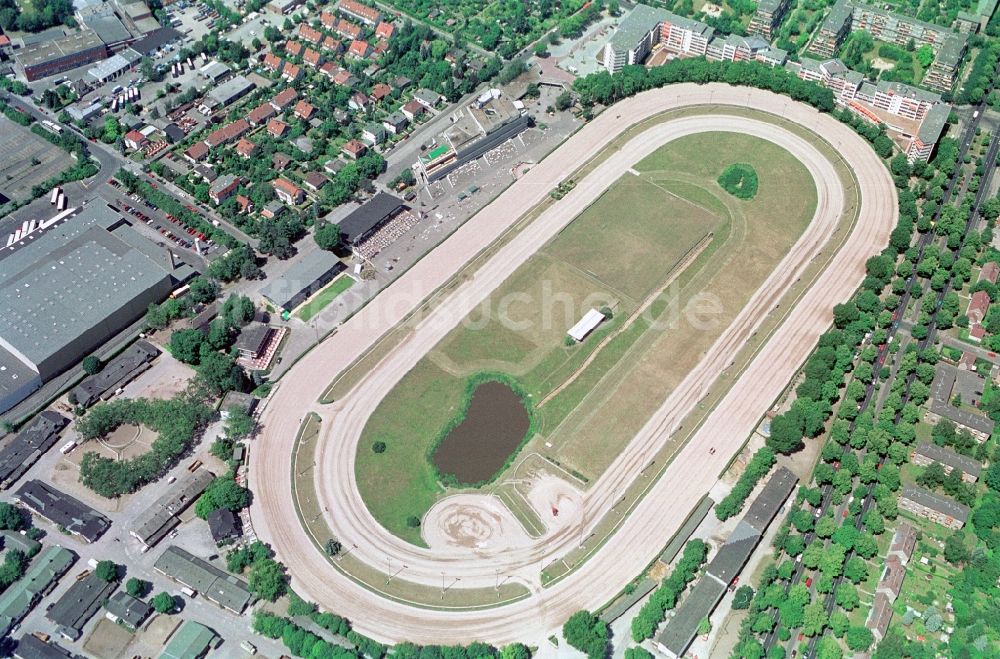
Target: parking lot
26, 160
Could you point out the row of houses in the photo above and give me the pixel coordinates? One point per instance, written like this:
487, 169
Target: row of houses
904, 540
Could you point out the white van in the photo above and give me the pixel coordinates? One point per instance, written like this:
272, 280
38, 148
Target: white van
190, 592
68, 447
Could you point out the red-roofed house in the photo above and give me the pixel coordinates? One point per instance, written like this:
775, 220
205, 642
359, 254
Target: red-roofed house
244, 204
356, 10
309, 33
135, 140
328, 19
246, 148
342, 77
978, 307
977, 332
348, 30
354, 149
335, 46
879, 616
329, 69
260, 114
288, 192
227, 133
990, 272
385, 30
380, 91
903, 542
294, 48
304, 110
291, 72
277, 127
413, 110
359, 49
272, 62
312, 58
892, 578
196, 152
284, 99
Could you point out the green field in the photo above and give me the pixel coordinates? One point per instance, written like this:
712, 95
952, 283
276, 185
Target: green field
620, 253
324, 297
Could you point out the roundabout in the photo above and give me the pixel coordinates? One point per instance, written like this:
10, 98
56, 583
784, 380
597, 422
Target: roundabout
606, 533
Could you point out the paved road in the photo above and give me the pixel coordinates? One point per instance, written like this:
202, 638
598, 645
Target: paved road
666, 505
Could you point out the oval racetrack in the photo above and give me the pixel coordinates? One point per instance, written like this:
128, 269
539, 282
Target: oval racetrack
693, 470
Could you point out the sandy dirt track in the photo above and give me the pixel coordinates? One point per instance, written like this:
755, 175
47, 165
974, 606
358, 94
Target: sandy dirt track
693, 470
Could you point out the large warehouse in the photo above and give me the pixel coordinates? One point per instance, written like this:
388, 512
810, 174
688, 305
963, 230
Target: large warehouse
69, 288
307, 275
363, 220
68, 52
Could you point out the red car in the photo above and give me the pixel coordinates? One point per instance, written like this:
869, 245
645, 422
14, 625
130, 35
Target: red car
809, 582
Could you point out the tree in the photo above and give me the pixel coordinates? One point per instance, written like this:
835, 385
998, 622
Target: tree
955, 551
327, 236
222, 493
587, 633
742, 597
846, 596
203, 290
992, 477
631, 653
268, 579
856, 570
11, 518
859, 638
136, 587
815, 619
91, 365
185, 345
220, 373
521, 651
239, 424
164, 603
106, 571
333, 547
564, 101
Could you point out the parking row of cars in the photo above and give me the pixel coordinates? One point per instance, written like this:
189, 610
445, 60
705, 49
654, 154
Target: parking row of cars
176, 236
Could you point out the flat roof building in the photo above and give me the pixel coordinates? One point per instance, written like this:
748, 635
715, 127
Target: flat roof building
63, 510
164, 514
232, 90
94, 255
79, 604
586, 325
63, 53
220, 587
306, 276
27, 446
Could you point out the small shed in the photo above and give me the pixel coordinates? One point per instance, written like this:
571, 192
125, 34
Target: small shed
586, 325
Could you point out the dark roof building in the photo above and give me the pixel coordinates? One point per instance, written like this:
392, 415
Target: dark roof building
306, 276
28, 445
223, 525
118, 372
253, 339
161, 517
928, 452
365, 219
79, 604
127, 610
217, 586
63, 510
63, 53
155, 40
32, 647
729, 560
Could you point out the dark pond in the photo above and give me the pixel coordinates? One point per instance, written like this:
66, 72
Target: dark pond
493, 427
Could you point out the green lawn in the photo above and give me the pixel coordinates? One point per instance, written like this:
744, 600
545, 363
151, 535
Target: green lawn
324, 297
618, 252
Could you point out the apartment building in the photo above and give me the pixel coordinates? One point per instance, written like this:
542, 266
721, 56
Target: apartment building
944, 69
734, 48
835, 28
928, 453
939, 509
767, 17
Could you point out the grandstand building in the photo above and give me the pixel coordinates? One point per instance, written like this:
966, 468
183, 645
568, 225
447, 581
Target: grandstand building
484, 124
93, 255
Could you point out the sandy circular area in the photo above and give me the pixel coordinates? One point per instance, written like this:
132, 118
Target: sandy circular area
472, 521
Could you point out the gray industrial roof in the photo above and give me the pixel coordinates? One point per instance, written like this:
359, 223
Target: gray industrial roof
38, 53
950, 458
109, 29
218, 586
63, 510
768, 502
304, 273
93, 256
941, 504
79, 604
108, 67
232, 89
